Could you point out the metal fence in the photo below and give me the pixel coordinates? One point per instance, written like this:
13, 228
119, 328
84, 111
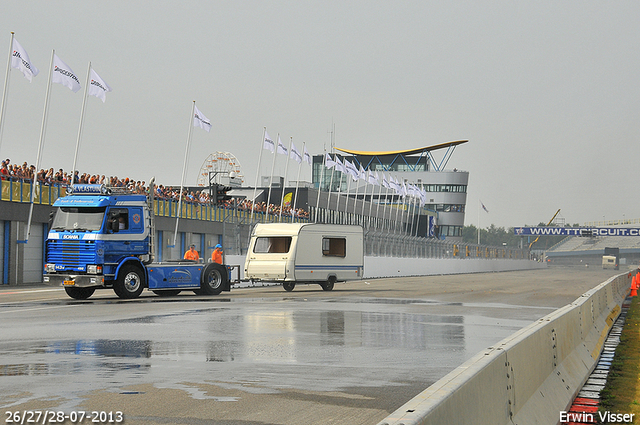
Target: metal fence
380, 244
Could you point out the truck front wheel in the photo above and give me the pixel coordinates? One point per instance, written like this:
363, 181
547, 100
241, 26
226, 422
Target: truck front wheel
288, 286
130, 282
213, 280
79, 293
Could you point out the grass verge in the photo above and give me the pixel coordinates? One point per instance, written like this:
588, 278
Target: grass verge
622, 391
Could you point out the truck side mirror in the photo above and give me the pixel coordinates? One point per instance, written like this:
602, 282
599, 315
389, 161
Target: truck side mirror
114, 226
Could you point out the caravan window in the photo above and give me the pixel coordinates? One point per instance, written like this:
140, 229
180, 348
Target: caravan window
334, 247
273, 244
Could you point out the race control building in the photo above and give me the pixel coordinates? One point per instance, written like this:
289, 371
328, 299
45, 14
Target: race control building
446, 188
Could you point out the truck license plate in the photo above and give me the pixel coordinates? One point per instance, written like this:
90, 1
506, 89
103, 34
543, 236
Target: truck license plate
69, 283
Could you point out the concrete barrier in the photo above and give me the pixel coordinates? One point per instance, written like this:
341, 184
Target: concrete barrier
395, 267
375, 267
529, 377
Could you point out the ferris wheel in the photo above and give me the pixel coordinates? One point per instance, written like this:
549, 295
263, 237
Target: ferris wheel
220, 168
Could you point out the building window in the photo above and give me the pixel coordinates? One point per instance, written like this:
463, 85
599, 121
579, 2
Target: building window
450, 231
456, 188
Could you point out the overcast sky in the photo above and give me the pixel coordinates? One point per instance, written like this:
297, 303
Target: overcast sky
546, 92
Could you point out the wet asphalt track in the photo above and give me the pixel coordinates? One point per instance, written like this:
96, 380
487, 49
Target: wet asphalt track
262, 355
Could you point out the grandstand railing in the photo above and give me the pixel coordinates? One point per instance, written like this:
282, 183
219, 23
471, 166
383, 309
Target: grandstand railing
377, 243
45, 194
20, 191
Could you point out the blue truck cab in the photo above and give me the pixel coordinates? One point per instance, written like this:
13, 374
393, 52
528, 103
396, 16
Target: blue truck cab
103, 237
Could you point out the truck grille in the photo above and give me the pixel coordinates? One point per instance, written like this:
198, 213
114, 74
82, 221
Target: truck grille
71, 254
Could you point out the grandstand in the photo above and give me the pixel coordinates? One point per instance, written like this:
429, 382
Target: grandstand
577, 250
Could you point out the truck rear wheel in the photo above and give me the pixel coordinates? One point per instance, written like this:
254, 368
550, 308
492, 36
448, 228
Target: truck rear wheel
130, 282
288, 286
79, 293
213, 280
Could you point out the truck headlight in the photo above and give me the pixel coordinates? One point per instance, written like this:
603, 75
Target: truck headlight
94, 269
50, 268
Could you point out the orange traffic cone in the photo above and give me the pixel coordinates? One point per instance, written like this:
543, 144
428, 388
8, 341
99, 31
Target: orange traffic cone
634, 285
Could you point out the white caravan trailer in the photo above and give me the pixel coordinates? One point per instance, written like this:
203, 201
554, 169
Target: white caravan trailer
305, 253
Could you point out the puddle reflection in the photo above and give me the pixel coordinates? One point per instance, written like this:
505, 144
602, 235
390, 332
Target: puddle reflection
280, 336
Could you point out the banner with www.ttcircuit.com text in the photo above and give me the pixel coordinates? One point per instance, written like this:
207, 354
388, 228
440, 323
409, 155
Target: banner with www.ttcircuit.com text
577, 231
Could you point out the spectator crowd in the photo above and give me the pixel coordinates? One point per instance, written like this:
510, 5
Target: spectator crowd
26, 173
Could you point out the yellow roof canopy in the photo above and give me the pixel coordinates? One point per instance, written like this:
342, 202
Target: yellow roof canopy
404, 152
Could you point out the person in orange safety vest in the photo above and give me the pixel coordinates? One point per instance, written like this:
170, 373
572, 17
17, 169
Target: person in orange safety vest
192, 254
216, 255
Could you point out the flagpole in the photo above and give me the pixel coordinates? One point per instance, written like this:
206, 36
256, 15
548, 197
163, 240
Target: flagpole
324, 164
253, 203
364, 196
84, 101
479, 221
273, 166
43, 131
295, 197
373, 189
386, 201
284, 183
184, 169
378, 205
333, 170
398, 209
6, 88
413, 204
391, 211
420, 208
418, 219
355, 198
346, 202
332, 135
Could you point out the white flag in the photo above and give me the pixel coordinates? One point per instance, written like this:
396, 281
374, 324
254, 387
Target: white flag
63, 74
362, 174
339, 165
295, 154
268, 143
385, 182
395, 185
199, 120
328, 162
423, 197
98, 87
20, 60
281, 149
306, 156
351, 169
372, 179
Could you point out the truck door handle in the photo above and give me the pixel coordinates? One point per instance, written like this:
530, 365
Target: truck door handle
127, 243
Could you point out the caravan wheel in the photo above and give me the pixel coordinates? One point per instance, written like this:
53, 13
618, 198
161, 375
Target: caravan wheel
328, 285
288, 286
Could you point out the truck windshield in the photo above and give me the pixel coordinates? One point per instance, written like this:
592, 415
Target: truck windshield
78, 218
273, 245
